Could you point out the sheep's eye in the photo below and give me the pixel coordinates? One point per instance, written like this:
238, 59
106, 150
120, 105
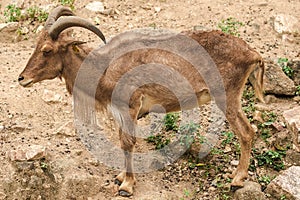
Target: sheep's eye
47, 52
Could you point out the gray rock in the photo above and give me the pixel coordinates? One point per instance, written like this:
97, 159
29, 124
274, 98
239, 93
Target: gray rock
8, 31
250, 191
295, 65
48, 7
95, 6
8, 27
276, 82
292, 119
34, 152
286, 24
2, 195
39, 29
51, 97
234, 162
80, 185
67, 129
288, 184
18, 3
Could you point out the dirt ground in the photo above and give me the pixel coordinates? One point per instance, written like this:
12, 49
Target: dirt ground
26, 119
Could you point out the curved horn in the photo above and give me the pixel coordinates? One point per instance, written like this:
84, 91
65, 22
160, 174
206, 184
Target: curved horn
70, 21
56, 13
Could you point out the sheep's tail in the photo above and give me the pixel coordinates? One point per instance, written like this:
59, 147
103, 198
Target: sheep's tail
256, 78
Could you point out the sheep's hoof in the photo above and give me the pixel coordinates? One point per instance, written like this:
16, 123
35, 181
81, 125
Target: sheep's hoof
123, 193
118, 182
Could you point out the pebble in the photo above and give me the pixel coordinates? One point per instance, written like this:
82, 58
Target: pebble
286, 24
157, 9
51, 97
95, 6
254, 128
227, 149
234, 162
24, 30
8, 27
2, 195
66, 129
39, 29
34, 152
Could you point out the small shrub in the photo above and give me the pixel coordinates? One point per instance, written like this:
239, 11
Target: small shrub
225, 197
298, 90
216, 151
229, 137
44, 165
69, 3
170, 121
34, 13
12, 13
265, 180
230, 26
189, 133
283, 63
248, 94
248, 102
269, 118
159, 140
272, 159
283, 197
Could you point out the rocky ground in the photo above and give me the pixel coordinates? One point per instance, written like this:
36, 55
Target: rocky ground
42, 157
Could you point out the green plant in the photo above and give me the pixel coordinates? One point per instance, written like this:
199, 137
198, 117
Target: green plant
159, 140
69, 3
265, 180
228, 137
269, 118
170, 121
248, 102
283, 197
248, 94
298, 90
216, 151
283, 63
230, 26
265, 132
12, 13
190, 133
225, 197
43, 164
186, 193
272, 159
153, 25
35, 13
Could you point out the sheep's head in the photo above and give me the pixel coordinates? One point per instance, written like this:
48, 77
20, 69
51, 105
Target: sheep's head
46, 61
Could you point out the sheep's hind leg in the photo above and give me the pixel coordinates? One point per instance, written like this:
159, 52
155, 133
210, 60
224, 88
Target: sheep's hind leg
245, 133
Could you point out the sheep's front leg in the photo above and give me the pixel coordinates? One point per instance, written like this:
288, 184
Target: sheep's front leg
126, 179
127, 125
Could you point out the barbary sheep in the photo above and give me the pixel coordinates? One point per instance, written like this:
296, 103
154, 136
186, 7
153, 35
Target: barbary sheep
58, 55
